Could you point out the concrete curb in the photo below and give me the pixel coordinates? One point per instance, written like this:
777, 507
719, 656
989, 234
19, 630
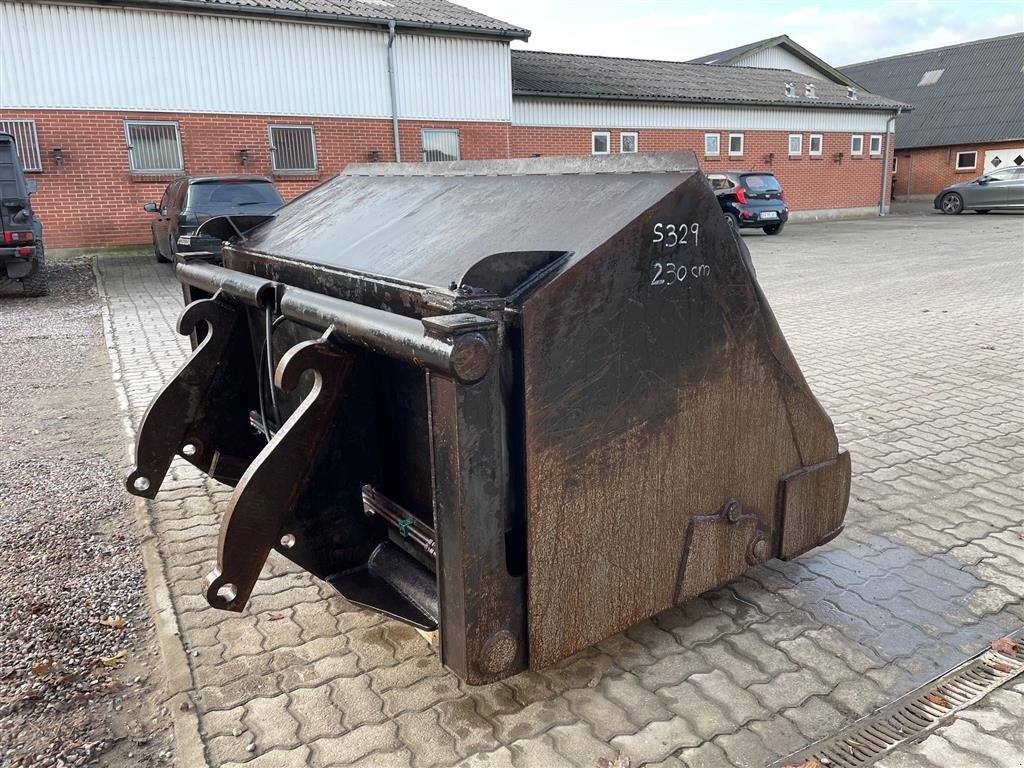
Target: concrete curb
180, 684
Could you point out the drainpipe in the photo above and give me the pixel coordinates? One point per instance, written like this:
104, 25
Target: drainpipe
883, 201
394, 90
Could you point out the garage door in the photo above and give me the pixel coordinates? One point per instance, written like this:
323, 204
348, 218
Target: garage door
1004, 158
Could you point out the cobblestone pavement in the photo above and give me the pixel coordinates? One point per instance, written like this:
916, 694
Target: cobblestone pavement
907, 328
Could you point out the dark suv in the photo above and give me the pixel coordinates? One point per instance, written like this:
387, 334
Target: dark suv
751, 199
21, 233
189, 201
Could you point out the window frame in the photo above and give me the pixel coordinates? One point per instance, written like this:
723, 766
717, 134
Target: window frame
853, 138
435, 129
23, 128
871, 145
810, 144
718, 145
800, 144
736, 136
273, 149
636, 142
972, 167
608, 142
128, 124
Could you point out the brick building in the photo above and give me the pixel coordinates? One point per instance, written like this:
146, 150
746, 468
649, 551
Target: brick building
127, 94
968, 115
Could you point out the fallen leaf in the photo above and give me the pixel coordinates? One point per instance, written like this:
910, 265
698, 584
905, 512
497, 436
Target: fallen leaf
39, 670
276, 616
1004, 645
113, 686
113, 661
808, 763
939, 699
114, 622
1004, 668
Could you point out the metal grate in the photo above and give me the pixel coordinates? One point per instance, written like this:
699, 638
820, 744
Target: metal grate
27, 141
292, 148
868, 740
153, 147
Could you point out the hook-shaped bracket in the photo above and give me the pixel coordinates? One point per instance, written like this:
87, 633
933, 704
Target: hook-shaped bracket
270, 488
169, 425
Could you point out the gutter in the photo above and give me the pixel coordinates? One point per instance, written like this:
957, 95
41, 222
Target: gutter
393, 89
883, 200
224, 8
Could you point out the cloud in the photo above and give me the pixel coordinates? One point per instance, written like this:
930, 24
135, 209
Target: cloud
840, 33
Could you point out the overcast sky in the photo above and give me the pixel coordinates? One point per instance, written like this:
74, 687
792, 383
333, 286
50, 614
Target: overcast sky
838, 32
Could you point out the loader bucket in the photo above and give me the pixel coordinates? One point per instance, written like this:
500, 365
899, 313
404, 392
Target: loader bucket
528, 403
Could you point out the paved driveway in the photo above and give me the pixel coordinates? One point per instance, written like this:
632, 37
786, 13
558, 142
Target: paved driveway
909, 331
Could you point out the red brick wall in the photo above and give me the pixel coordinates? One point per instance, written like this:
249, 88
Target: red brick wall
926, 171
93, 199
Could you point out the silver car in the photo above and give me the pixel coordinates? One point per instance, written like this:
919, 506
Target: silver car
997, 189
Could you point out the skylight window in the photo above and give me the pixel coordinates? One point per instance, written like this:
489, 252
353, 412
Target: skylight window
809, 91
931, 77
851, 93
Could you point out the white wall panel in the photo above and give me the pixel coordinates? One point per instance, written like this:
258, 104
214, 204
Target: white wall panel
778, 58
624, 114
125, 59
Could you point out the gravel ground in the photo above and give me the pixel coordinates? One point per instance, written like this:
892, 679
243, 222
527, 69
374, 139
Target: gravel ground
79, 670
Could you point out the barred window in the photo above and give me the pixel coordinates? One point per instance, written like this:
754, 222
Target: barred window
27, 141
440, 144
628, 141
153, 147
292, 149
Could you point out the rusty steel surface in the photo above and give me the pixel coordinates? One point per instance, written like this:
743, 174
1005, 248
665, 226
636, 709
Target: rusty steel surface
494, 380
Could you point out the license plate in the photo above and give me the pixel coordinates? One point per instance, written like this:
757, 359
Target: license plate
768, 215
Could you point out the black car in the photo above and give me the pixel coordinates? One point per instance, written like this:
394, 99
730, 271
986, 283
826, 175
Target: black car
21, 233
189, 201
751, 199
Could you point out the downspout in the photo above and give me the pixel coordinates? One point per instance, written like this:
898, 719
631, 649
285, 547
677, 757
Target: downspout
394, 90
883, 207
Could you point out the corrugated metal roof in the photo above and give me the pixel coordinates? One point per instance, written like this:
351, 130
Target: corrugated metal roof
978, 96
536, 73
730, 55
424, 14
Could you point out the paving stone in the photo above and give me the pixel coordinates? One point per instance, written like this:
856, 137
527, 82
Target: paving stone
656, 741
605, 718
271, 722
532, 720
744, 749
358, 703
356, 744
297, 757
316, 712
527, 753
579, 745
429, 743
640, 705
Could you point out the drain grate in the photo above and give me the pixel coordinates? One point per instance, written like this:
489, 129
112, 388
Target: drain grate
910, 717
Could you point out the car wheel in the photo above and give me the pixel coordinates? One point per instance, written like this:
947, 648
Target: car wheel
37, 283
733, 221
952, 203
774, 229
982, 210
